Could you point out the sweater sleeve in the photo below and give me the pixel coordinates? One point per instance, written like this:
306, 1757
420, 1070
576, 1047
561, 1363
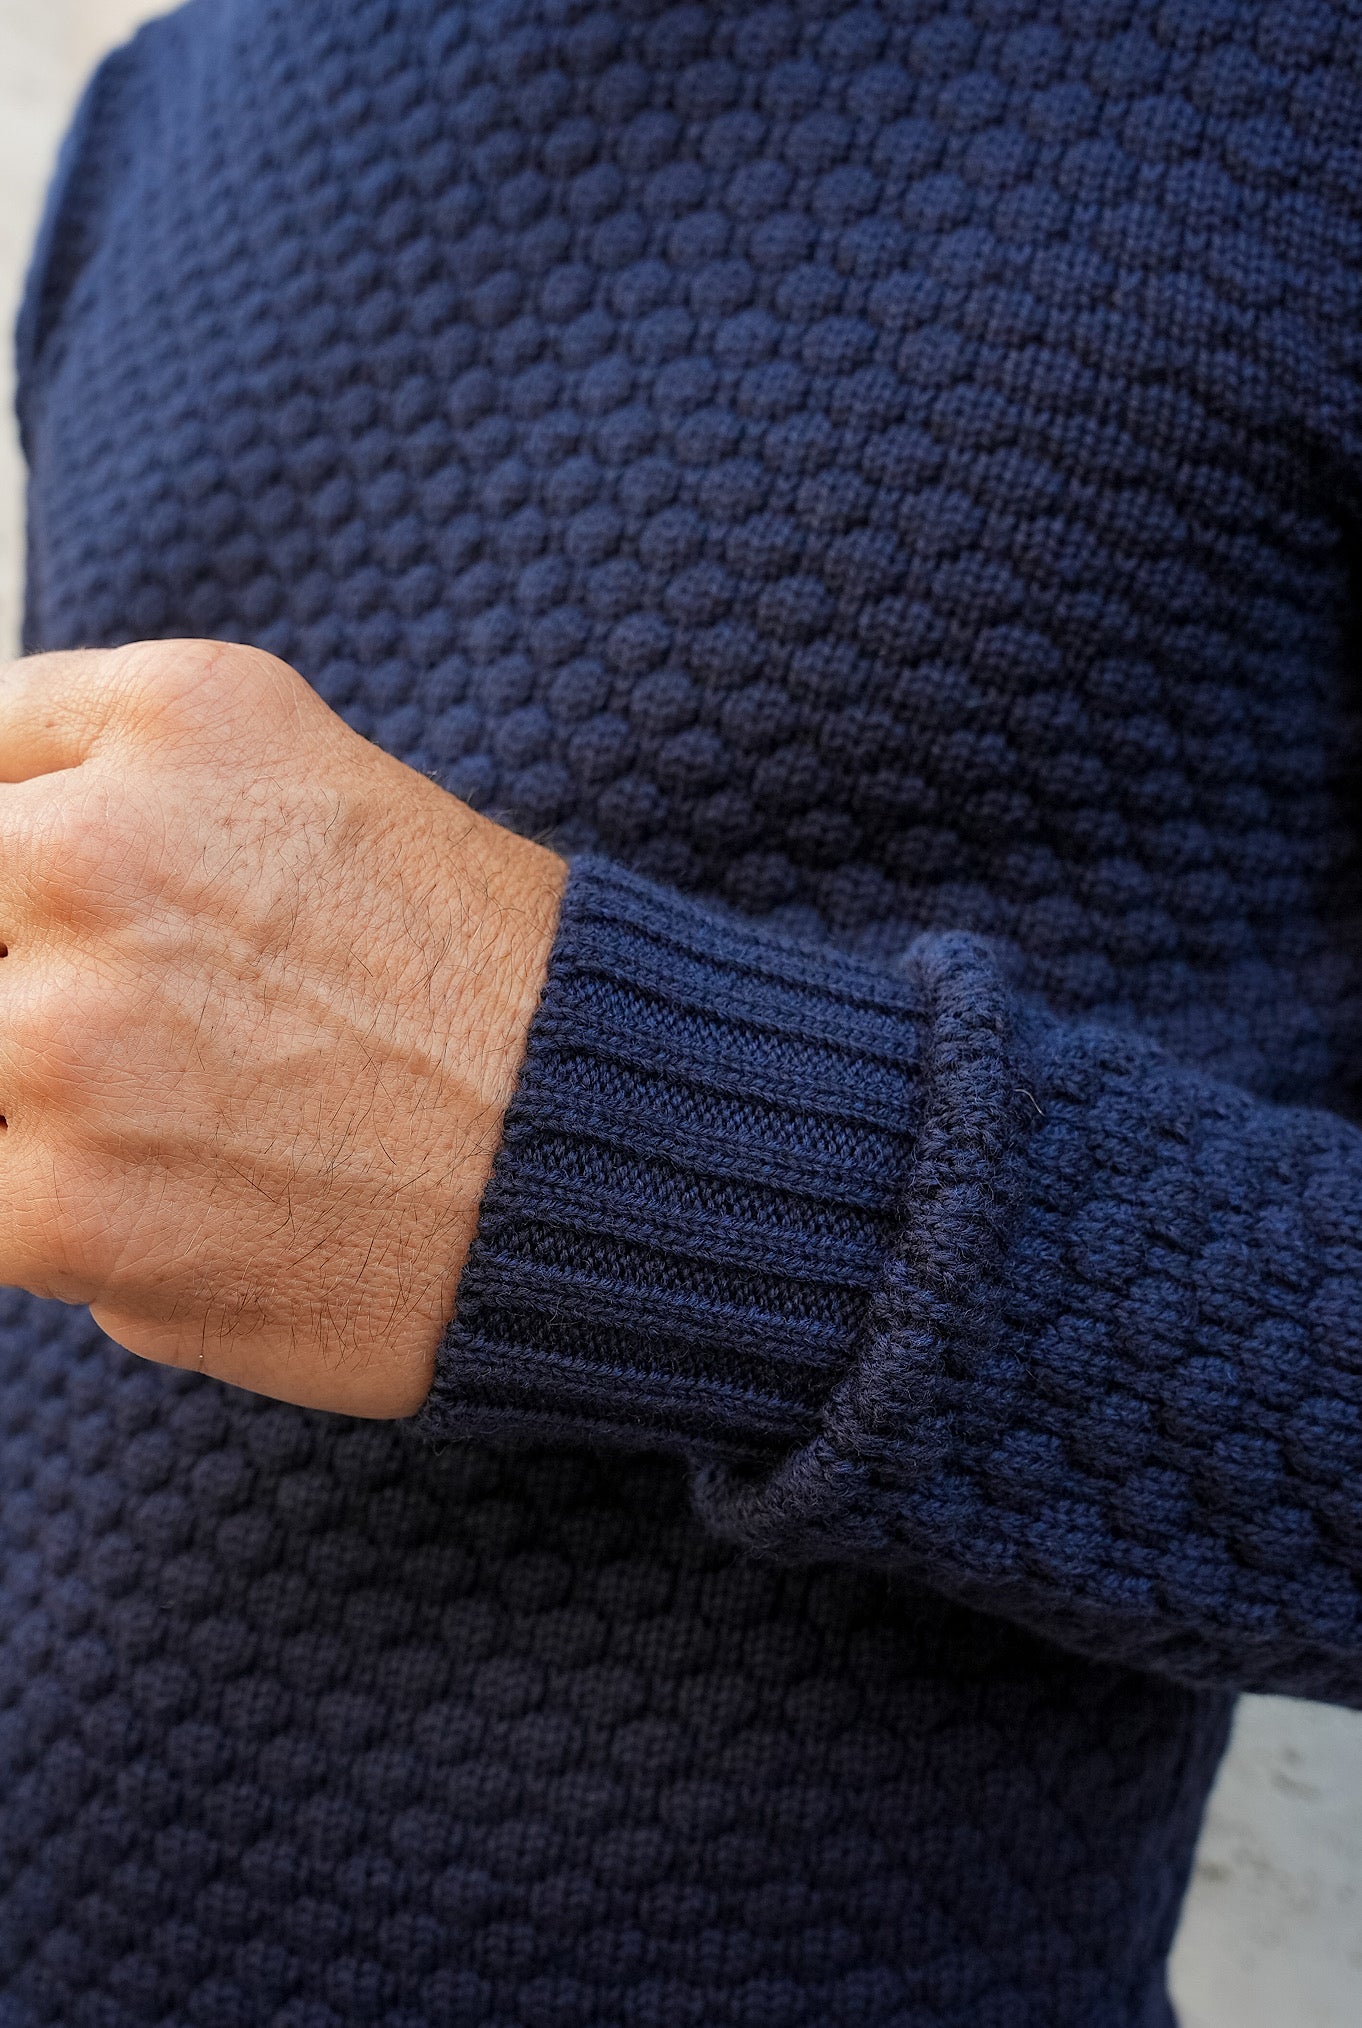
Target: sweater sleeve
921, 1277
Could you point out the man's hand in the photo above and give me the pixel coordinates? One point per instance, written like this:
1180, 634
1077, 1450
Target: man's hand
263, 1000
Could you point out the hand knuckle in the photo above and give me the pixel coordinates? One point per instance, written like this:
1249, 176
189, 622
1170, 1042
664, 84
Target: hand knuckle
83, 843
197, 684
157, 676
59, 1035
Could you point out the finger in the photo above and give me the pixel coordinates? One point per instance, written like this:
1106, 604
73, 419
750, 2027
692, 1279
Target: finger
52, 710
41, 1249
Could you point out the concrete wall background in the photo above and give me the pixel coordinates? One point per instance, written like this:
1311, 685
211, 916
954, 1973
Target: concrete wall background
1272, 1935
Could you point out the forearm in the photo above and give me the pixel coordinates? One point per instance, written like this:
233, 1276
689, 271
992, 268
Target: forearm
922, 1278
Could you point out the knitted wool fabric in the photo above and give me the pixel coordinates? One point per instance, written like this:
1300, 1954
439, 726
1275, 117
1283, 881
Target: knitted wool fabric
880, 488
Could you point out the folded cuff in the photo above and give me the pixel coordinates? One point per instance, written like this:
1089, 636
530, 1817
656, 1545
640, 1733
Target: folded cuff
696, 1187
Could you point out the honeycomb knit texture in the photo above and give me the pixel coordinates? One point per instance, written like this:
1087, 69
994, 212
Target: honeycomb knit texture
879, 488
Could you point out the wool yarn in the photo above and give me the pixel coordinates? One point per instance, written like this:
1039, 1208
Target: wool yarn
878, 486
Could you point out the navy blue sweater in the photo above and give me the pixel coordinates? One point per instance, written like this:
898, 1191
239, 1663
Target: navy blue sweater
880, 488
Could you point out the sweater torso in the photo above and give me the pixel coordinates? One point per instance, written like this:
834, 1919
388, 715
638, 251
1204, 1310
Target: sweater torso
880, 469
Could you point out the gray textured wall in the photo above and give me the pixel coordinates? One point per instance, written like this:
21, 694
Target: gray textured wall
1272, 1936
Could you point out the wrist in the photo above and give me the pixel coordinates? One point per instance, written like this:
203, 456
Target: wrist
510, 893
518, 890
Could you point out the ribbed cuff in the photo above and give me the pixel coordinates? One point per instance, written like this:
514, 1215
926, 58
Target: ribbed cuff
696, 1187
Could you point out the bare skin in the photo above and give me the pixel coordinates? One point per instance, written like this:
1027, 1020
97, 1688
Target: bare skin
263, 1004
